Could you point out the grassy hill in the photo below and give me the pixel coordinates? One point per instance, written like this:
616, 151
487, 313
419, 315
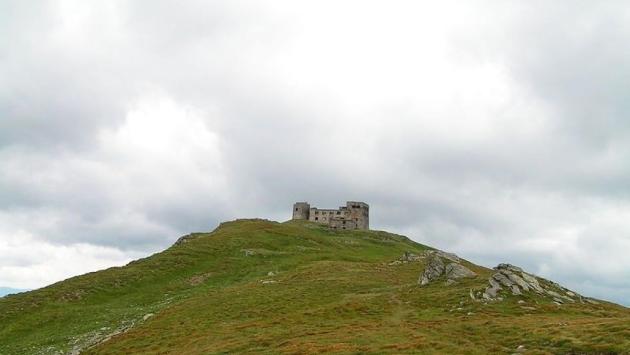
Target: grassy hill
294, 287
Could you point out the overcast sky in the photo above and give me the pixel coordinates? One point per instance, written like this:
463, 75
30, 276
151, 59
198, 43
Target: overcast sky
498, 130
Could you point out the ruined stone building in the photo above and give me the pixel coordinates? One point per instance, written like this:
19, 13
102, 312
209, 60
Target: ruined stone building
354, 215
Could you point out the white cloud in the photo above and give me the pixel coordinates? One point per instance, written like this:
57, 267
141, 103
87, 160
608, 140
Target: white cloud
30, 261
498, 131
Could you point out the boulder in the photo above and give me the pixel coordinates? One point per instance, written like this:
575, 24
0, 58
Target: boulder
516, 290
434, 269
458, 271
491, 291
532, 282
519, 282
502, 279
508, 267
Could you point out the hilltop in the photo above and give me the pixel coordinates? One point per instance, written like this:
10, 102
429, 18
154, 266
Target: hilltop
299, 287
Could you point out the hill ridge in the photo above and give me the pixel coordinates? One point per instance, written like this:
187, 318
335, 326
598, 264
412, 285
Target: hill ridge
256, 285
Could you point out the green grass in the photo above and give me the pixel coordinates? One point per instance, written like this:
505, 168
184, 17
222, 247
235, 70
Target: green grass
332, 291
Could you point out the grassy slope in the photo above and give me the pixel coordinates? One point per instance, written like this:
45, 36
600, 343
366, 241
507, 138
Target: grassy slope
333, 291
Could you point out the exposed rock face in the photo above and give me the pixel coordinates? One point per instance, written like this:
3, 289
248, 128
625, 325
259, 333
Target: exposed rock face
439, 264
508, 279
491, 291
514, 280
433, 270
450, 256
436, 268
457, 271
532, 282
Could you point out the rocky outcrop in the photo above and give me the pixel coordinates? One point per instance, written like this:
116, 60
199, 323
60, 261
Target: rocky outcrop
512, 280
458, 271
434, 269
438, 266
449, 256
507, 280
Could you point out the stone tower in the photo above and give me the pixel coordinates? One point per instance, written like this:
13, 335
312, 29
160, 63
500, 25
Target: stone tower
360, 213
301, 210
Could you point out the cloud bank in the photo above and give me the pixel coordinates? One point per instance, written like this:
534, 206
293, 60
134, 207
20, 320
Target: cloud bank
495, 130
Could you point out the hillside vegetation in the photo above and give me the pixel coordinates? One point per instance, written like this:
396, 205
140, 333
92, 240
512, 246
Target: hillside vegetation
296, 287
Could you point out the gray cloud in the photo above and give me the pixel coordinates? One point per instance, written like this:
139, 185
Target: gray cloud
497, 131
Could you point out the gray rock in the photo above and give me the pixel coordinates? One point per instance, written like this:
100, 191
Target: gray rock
433, 270
509, 267
515, 290
518, 280
448, 256
458, 271
408, 256
493, 283
502, 279
532, 282
553, 293
491, 291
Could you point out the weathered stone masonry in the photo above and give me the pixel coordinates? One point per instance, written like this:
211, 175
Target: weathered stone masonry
354, 215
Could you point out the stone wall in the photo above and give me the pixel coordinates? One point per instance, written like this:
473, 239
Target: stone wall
342, 223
